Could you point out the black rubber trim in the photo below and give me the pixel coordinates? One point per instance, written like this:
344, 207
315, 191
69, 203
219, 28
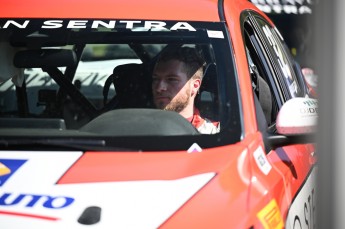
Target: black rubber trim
221, 10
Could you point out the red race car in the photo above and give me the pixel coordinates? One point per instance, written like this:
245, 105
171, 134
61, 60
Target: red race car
152, 114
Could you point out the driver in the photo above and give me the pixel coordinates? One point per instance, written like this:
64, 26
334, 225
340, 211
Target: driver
176, 80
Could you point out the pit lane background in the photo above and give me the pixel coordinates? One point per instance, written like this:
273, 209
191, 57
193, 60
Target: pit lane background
294, 20
329, 45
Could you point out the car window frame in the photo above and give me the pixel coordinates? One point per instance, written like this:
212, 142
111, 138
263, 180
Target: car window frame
274, 59
260, 55
271, 71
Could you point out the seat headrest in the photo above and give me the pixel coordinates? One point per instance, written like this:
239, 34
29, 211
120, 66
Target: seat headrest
265, 98
132, 86
209, 81
207, 99
128, 78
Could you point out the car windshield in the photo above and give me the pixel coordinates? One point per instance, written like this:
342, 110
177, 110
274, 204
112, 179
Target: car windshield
88, 83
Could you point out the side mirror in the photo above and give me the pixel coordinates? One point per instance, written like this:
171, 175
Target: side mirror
298, 116
296, 123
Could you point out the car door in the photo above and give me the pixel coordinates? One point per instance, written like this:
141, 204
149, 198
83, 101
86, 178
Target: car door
276, 79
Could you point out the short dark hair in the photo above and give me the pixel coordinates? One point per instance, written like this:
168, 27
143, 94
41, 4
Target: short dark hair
192, 59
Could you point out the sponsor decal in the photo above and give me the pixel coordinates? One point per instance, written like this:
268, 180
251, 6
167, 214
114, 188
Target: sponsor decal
261, 161
215, 34
29, 201
98, 24
302, 212
8, 167
270, 216
311, 103
311, 110
32, 200
28, 184
34, 196
4, 170
311, 107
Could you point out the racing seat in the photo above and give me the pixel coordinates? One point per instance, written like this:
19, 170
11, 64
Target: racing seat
132, 87
263, 93
207, 99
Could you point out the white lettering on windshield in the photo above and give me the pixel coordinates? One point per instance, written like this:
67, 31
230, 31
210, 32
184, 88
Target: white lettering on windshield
53, 24
182, 25
95, 24
77, 24
155, 25
109, 25
129, 24
10, 23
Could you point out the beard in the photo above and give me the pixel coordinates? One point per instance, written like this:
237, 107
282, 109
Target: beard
178, 103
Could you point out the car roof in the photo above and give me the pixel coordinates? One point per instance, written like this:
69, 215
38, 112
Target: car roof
194, 10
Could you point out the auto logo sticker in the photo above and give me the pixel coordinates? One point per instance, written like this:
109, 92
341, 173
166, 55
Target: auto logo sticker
261, 161
8, 167
194, 148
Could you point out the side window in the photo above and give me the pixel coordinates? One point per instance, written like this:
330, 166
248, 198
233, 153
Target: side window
263, 82
273, 70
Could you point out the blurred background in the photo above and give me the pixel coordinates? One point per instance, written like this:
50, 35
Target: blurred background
315, 33
294, 20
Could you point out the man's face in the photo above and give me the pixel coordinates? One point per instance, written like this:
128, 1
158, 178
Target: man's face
170, 86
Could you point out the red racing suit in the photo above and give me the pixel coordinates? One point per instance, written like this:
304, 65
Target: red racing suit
204, 125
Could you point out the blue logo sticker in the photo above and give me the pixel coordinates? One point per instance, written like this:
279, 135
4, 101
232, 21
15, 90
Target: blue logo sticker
8, 167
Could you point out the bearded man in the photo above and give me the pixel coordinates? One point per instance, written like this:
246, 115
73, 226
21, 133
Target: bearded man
176, 80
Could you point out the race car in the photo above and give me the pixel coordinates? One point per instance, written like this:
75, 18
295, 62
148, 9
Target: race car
82, 144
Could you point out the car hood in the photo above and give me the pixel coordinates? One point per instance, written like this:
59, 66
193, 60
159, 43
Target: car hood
102, 189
